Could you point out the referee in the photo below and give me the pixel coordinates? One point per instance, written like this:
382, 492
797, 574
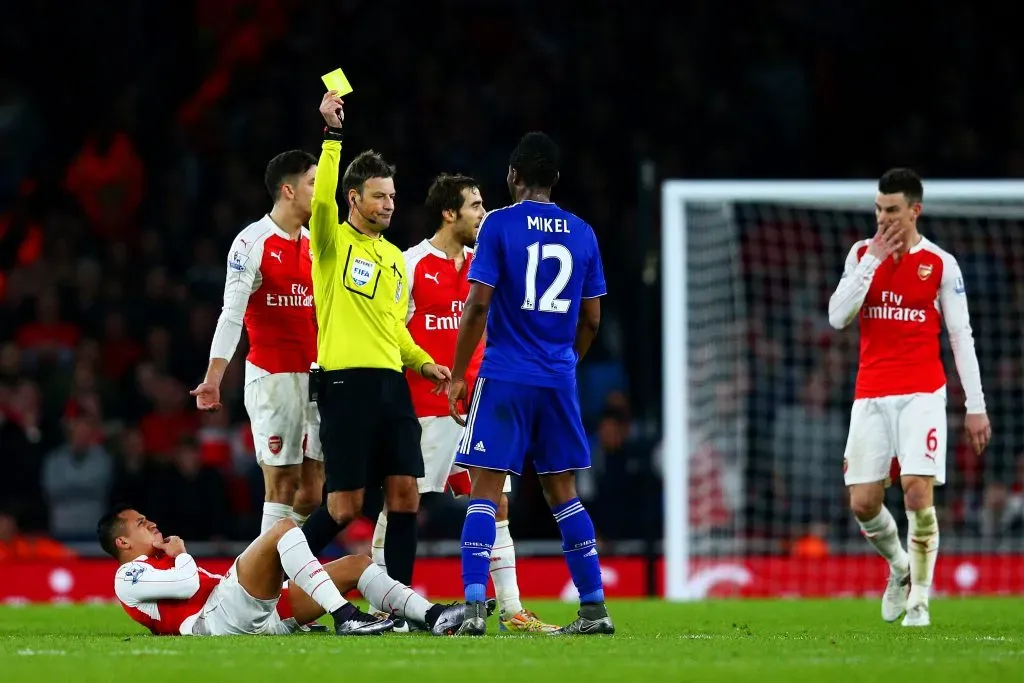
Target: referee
368, 428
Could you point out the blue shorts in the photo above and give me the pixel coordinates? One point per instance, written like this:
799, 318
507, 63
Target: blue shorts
507, 420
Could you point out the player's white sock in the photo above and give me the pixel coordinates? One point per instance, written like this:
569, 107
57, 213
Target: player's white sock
377, 552
923, 544
882, 533
272, 514
377, 545
299, 519
306, 571
382, 591
503, 571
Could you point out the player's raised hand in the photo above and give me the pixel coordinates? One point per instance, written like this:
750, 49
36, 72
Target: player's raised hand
456, 399
331, 109
979, 430
171, 546
887, 239
207, 397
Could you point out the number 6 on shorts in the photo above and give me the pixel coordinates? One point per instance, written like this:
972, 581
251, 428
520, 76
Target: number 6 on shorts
922, 437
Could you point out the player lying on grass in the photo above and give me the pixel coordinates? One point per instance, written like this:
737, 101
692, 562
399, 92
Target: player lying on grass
161, 587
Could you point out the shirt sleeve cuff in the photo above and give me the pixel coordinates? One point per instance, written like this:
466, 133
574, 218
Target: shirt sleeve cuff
869, 262
420, 360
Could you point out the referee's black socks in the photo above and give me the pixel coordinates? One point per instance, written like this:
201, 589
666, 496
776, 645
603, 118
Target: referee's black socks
400, 546
320, 529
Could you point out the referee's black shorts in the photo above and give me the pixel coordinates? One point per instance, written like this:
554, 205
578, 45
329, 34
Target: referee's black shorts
368, 428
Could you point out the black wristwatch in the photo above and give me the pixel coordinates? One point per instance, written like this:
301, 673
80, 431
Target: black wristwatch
332, 134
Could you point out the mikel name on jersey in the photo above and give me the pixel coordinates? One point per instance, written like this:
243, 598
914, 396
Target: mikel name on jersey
547, 224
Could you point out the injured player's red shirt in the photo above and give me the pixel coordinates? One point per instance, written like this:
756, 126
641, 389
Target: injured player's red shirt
167, 595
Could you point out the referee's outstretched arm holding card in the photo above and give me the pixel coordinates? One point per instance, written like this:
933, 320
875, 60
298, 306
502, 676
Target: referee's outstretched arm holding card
368, 427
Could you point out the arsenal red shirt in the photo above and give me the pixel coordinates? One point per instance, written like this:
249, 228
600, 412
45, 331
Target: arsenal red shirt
269, 287
437, 294
167, 595
162, 594
901, 304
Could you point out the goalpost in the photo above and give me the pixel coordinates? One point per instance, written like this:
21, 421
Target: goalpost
757, 388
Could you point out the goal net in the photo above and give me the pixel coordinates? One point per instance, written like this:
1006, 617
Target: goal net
758, 388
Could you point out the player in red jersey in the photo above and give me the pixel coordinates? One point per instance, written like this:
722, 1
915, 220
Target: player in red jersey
902, 287
437, 269
269, 290
161, 587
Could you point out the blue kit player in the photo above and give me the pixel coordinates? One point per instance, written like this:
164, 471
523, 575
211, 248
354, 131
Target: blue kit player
536, 282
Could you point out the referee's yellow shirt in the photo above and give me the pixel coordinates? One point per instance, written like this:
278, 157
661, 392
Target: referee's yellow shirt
359, 287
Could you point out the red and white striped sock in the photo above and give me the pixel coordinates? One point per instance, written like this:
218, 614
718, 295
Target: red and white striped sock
503, 571
923, 544
274, 513
377, 544
392, 597
884, 535
307, 572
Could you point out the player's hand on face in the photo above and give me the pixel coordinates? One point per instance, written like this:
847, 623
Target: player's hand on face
207, 397
456, 399
172, 546
979, 431
887, 239
331, 109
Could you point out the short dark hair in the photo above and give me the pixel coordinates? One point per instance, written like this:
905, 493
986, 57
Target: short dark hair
445, 193
110, 527
536, 160
902, 180
366, 165
285, 165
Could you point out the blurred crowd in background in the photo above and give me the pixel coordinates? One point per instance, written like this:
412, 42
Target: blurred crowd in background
133, 150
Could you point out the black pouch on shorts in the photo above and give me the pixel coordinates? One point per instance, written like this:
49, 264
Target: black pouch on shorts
316, 381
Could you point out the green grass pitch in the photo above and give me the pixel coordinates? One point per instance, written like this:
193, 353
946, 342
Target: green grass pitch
761, 641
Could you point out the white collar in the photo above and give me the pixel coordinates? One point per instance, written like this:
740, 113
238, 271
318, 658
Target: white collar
431, 249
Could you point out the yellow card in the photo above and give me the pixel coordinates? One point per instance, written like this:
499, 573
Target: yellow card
336, 80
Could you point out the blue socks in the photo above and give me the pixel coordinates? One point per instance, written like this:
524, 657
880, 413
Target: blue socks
478, 533
579, 544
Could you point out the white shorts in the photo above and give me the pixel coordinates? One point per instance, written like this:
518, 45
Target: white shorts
439, 441
231, 611
285, 425
910, 428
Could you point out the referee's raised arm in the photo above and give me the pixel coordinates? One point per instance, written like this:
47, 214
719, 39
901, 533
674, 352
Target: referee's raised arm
368, 428
323, 221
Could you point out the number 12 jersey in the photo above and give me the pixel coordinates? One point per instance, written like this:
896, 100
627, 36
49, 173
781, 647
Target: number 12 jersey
541, 261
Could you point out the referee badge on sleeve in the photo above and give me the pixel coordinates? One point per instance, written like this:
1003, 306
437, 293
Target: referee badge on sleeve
398, 292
